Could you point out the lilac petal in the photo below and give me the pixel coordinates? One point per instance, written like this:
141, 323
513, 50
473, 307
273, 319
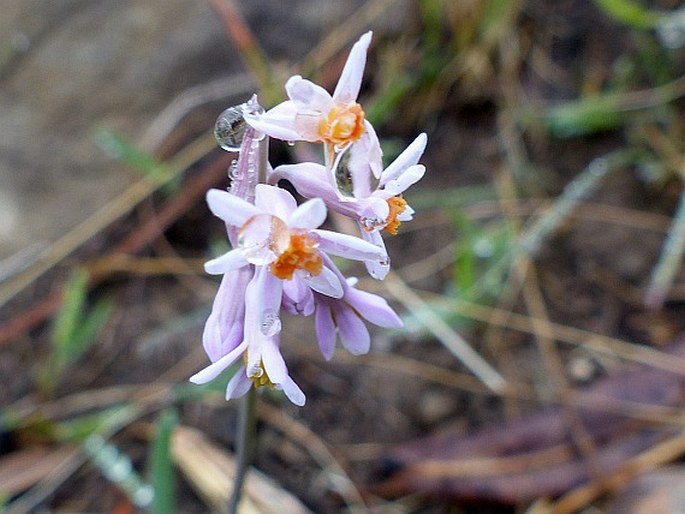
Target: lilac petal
274, 200
230, 261
375, 154
408, 178
310, 214
373, 308
354, 335
233, 210
377, 269
324, 327
312, 181
214, 369
293, 392
216, 343
308, 96
239, 385
297, 297
278, 122
224, 327
362, 163
406, 215
274, 365
272, 291
326, 283
409, 157
350, 80
350, 247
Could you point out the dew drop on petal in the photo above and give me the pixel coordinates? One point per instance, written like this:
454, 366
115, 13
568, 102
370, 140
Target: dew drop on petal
263, 238
343, 176
230, 128
233, 169
291, 143
271, 323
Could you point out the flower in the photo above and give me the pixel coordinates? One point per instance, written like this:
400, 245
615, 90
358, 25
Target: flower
275, 232
263, 364
342, 318
375, 205
312, 114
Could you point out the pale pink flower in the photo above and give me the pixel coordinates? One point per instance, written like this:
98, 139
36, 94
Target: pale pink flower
263, 364
375, 204
312, 114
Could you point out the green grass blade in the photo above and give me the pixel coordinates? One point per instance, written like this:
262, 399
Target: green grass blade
630, 13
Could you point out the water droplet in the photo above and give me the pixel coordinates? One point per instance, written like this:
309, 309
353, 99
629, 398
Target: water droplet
233, 169
370, 223
343, 176
230, 128
271, 323
291, 143
263, 238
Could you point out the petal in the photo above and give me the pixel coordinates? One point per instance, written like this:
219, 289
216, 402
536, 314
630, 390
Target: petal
375, 153
365, 161
326, 283
233, 210
230, 261
224, 327
409, 157
373, 308
350, 247
239, 384
293, 392
312, 181
310, 214
350, 81
298, 298
407, 214
275, 200
278, 122
377, 269
408, 178
307, 96
272, 291
324, 327
354, 335
214, 369
274, 365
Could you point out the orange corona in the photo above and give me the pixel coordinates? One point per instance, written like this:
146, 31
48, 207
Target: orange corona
397, 206
344, 124
300, 254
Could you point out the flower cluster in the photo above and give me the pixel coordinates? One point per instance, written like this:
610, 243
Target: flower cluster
280, 257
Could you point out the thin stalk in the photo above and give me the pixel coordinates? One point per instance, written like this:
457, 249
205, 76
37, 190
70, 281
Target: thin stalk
245, 444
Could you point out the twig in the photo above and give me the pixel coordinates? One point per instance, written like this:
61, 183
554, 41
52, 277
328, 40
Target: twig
444, 333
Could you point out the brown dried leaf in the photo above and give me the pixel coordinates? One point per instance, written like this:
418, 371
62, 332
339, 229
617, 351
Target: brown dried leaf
211, 471
536, 456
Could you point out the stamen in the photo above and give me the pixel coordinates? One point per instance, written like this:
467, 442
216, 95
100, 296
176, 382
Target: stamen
343, 125
300, 254
258, 375
397, 206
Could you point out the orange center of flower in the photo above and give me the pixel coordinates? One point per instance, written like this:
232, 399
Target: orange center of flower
397, 206
300, 254
344, 124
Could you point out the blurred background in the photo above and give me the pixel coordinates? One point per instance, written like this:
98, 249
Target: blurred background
548, 238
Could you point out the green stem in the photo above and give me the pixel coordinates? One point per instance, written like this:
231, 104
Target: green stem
245, 443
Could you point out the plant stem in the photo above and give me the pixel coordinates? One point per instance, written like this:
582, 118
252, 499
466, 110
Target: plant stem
245, 443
